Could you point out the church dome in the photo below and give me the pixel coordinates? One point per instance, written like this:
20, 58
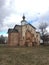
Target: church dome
23, 22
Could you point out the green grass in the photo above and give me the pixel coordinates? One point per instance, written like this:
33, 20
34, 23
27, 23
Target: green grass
24, 56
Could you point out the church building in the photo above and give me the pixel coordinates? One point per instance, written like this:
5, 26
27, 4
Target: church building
23, 35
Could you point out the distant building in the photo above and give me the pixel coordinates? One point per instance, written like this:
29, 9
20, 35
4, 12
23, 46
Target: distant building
23, 35
46, 39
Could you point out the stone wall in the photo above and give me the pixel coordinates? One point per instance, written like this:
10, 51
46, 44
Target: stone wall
13, 39
26, 36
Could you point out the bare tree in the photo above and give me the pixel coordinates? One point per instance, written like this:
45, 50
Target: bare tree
43, 30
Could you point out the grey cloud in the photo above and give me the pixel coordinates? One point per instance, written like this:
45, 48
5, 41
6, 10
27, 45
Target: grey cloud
39, 19
45, 18
2, 2
4, 12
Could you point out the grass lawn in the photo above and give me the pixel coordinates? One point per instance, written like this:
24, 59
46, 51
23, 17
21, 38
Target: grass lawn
24, 56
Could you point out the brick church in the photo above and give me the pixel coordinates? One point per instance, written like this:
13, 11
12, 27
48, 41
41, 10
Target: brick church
23, 35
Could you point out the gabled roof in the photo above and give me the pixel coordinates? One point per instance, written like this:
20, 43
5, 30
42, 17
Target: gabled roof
31, 25
17, 25
12, 30
38, 32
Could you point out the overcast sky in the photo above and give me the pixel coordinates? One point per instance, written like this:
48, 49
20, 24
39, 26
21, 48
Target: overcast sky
11, 12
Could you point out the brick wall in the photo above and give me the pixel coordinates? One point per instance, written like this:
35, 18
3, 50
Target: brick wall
13, 39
